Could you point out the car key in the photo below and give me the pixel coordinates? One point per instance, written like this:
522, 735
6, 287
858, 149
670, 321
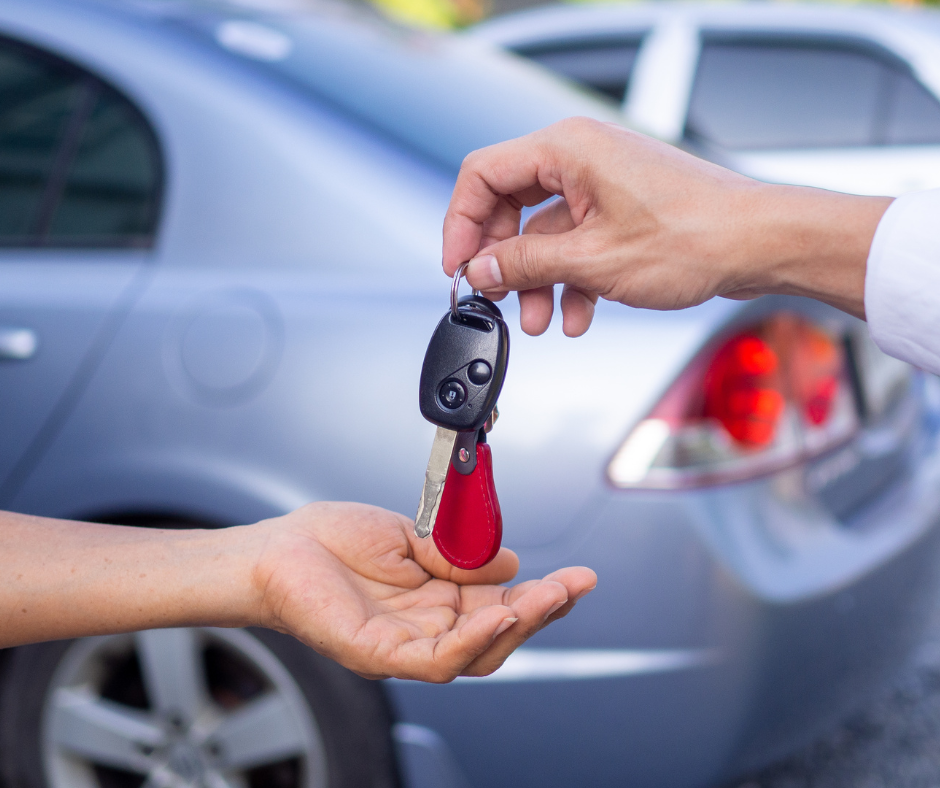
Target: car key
461, 378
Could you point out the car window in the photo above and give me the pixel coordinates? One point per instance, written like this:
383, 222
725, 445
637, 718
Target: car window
112, 185
79, 165
604, 66
914, 117
803, 94
36, 102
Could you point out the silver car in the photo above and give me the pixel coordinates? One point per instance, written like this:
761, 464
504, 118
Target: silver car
220, 267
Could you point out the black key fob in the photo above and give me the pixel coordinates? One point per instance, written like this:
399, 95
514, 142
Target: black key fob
465, 365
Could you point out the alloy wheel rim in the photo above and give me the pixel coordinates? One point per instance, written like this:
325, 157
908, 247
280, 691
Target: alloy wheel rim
178, 708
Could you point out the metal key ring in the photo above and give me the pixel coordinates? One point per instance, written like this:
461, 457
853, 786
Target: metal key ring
453, 290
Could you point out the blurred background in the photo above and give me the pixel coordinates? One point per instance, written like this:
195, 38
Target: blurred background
449, 15
219, 270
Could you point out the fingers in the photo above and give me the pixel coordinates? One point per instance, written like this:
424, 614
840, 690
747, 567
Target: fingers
536, 307
551, 219
509, 168
490, 623
531, 608
501, 569
579, 580
536, 604
524, 262
577, 308
502, 223
443, 659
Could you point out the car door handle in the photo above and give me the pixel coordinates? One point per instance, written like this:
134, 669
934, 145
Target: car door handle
18, 344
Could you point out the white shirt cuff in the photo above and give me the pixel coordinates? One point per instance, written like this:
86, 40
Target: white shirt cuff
902, 281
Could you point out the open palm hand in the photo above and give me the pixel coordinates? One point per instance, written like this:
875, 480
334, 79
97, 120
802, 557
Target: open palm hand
354, 583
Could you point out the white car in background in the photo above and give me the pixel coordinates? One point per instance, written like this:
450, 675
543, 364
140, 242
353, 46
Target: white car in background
843, 98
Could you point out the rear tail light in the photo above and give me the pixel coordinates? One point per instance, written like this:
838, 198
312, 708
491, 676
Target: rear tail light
765, 398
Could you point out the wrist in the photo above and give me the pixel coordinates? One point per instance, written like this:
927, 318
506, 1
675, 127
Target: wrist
230, 579
268, 546
201, 578
808, 242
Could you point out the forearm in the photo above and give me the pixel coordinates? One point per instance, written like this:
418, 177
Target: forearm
350, 581
66, 579
809, 242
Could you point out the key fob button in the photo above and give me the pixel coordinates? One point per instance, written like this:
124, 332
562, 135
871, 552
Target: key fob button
452, 394
479, 372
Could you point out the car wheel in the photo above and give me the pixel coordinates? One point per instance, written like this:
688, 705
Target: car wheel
190, 708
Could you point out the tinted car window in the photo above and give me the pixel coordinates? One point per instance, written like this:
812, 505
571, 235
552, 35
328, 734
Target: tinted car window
112, 185
36, 101
914, 114
752, 95
78, 163
601, 66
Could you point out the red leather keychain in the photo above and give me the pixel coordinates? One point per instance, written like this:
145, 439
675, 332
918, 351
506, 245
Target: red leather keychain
469, 524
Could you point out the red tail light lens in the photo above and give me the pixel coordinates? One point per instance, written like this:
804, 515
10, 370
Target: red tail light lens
817, 366
763, 399
741, 390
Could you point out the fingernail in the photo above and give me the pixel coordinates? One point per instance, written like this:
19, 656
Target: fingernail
556, 606
483, 272
584, 593
506, 623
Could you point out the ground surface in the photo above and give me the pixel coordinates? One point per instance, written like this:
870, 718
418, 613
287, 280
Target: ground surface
893, 743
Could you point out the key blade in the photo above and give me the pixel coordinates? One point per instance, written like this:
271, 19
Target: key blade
434, 478
491, 421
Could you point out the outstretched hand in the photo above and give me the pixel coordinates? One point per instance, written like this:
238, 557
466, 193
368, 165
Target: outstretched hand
355, 584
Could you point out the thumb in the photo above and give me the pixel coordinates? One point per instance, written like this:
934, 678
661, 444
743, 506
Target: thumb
523, 262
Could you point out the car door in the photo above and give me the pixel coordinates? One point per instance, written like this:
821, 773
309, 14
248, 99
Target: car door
839, 112
80, 181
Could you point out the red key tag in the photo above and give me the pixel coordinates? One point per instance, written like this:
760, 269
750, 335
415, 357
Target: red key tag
469, 524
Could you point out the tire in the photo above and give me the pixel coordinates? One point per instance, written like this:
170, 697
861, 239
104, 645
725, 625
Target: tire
214, 708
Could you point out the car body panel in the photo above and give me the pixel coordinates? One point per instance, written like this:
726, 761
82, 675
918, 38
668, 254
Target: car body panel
288, 416
38, 294
751, 665
863, 171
